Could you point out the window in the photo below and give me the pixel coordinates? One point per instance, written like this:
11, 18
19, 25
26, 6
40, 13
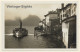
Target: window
67, 15
72, 11
74, 8
69, 12
63, 15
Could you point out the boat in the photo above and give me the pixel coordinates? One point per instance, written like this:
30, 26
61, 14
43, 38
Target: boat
20, 32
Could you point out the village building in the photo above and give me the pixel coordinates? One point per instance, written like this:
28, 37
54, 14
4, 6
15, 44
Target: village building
68, 20
52, 22
44, 25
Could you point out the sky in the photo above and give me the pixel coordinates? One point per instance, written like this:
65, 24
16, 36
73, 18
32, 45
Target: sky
38, 8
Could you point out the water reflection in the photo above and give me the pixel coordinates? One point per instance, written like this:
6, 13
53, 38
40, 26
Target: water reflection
31, 42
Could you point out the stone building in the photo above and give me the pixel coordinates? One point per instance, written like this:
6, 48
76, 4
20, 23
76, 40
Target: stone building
52, 22
68, 20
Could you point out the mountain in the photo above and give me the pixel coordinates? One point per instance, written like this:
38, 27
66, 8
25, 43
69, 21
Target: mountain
31, 20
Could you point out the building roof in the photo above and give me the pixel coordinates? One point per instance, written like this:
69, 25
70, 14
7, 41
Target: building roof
67, 6
51, 12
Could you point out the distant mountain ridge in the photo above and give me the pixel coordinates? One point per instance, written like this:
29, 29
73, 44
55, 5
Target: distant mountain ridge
31, 20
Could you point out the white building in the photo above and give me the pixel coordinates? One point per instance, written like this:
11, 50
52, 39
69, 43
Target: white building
67, 20
51, 21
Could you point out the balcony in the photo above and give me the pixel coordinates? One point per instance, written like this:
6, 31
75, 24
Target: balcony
68, 19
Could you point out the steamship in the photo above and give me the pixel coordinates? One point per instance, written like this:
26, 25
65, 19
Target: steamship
20, 32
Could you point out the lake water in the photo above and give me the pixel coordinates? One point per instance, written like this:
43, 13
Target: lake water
9, 29
29, 41
26, 42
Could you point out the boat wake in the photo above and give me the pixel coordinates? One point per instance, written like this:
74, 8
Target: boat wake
30, 34
9, 34
12, 34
